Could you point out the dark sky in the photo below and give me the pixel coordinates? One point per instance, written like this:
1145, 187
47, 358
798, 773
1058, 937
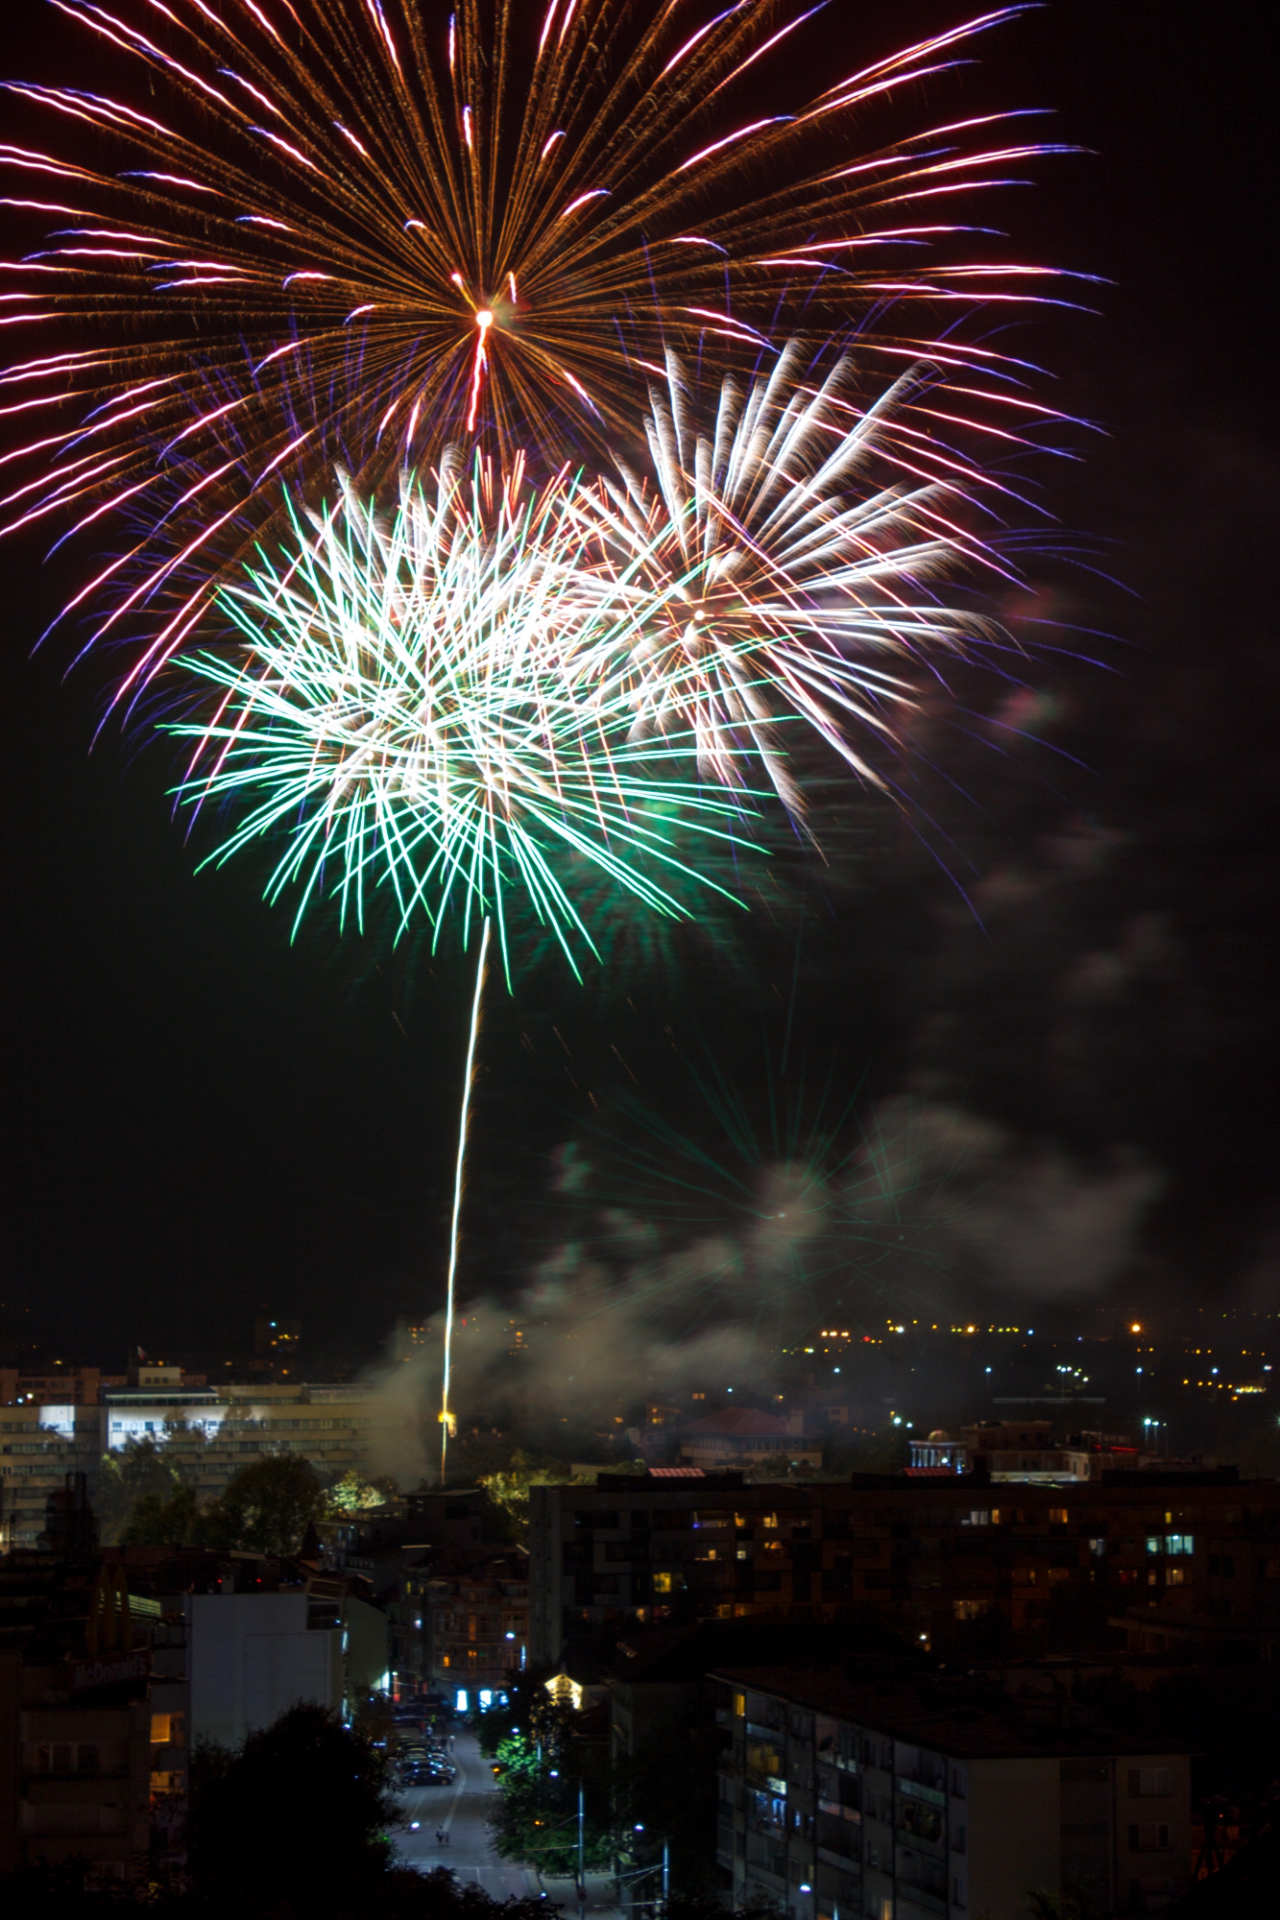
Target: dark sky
200, 1116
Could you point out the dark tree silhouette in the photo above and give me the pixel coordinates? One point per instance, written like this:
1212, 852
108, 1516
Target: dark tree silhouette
299, 1814
267, 1506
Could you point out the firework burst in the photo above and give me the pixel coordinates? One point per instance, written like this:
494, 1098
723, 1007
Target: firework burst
437, 701
401, 224
795, 542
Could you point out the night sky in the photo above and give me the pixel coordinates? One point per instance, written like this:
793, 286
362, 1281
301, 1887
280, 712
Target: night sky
201, 1117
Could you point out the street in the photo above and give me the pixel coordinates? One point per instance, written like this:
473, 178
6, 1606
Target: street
461, 1812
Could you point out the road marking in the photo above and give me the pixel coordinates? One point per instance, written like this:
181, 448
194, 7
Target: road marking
458, 1792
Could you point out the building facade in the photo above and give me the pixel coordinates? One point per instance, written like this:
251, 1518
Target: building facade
1025, 1453
479, 1619
923, 1556
208, 1433
748, 1438
846, 1802
251, 1656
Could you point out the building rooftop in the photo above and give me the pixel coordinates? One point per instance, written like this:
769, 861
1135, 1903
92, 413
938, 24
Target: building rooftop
738, 1420
939, 1715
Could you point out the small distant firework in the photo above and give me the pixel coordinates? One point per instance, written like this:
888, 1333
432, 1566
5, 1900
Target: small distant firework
436, 701
795, 541
410, 224
802, 1200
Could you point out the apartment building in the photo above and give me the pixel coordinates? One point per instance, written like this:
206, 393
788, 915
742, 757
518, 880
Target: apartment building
208, 1433
479, 1620
59, 1386
839, 1800
39, 1446
92, 1717
923, 1556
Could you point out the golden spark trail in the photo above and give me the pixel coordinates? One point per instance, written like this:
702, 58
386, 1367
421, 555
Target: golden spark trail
446, 1415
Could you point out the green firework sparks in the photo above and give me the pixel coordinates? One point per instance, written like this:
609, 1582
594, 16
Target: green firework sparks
438, 701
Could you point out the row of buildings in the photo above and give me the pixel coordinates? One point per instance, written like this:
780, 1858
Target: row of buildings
1161, 1559
855, 1784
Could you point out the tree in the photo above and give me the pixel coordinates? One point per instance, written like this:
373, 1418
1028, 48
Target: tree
267, 1507
136, 1471
537, 1817
351, 1493
300, 1813
159, 1522
509, 1489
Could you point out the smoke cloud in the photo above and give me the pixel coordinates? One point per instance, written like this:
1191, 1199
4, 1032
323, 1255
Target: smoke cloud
937, 1212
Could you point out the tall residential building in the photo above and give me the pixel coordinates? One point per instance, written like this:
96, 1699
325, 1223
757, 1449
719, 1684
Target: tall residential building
846, 1801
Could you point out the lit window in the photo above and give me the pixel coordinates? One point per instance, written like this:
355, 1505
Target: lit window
662, 1583
1179, 1543
1058, 1516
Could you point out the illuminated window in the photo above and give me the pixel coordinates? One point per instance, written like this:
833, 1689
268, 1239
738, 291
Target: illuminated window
768, 1519
1176, 1577
662, 1583
1179, 1543
1058, 1516
159, 1729
740, 1706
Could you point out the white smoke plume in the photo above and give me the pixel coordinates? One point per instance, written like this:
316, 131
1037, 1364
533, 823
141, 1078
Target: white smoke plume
937, 1210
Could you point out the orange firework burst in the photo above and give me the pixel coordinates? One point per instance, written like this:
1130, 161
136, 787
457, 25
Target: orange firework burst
402, 224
